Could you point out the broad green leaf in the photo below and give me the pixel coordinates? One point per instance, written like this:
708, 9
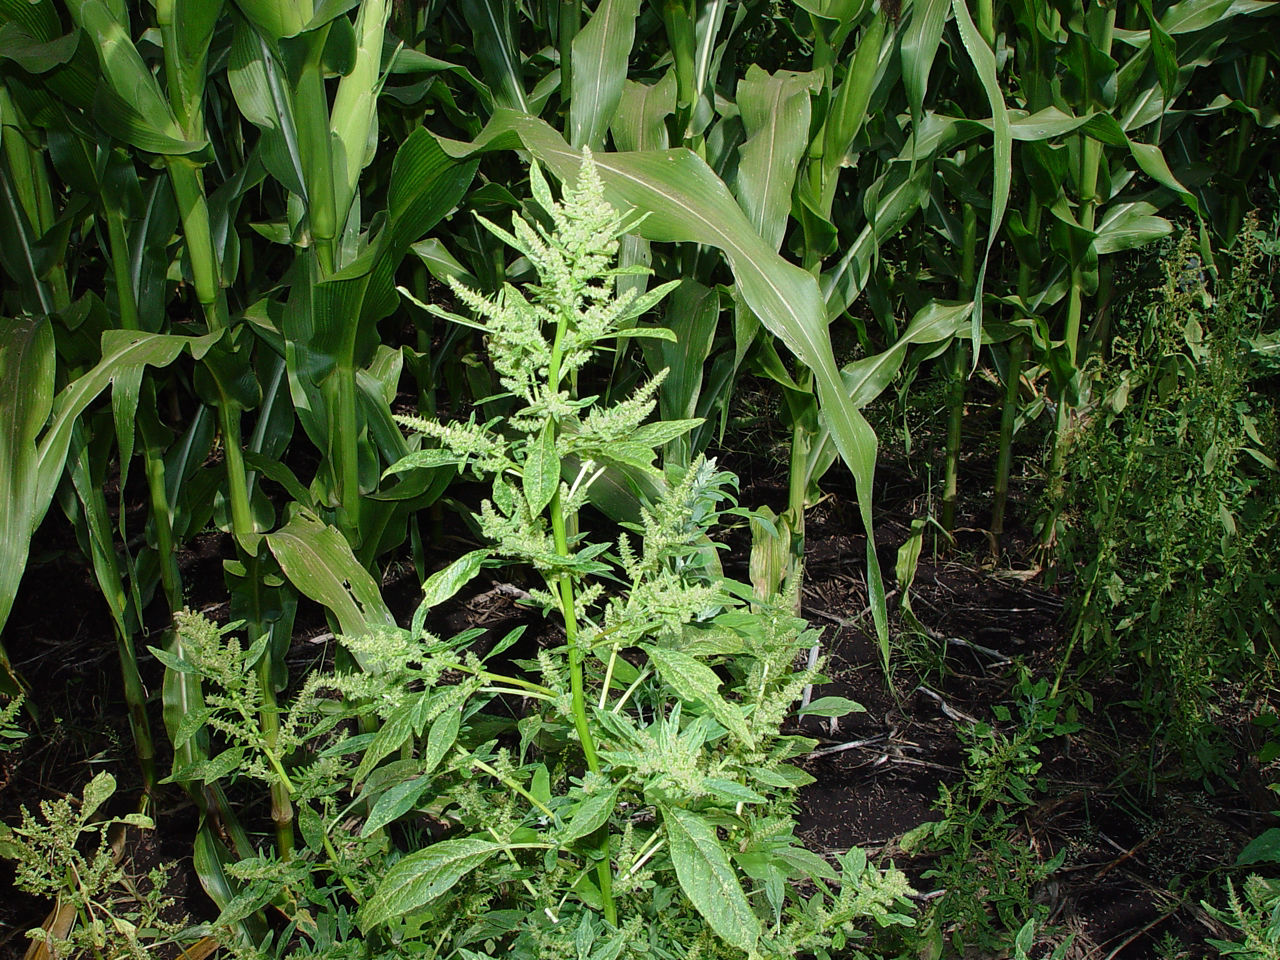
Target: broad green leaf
406, 721
354, 117
830, 707
96, 792
440, 739
849, 104
708, 879
639, 123
396, 802
1126, 226
210, 859
600, 52
422, 876
695, 682
775, 113
443, 584
590, 815
692, 313
1264, 848
318, 561
134, 108
541, 473
866, 379
919, 40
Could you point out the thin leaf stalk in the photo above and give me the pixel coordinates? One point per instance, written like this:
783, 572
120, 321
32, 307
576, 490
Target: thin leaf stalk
348, 447
1091, 158
135, 695
118, 245
193, 208
1244, 136
355, 110
1008, 417
162, 524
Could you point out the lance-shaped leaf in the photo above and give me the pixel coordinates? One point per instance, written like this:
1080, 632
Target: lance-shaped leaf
695, 682
495, 46
26, 349
27, 365
920, 37
422, 876
708, 879
133, 107
984, 62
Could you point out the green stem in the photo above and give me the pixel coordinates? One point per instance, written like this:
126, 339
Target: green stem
1091, 158
135, 695
956, 391
987, 22
312, 116
507, 782
162, 523
348, 450
30, 182
797, 490
118, 244
568, 605
1008, 416
281, 805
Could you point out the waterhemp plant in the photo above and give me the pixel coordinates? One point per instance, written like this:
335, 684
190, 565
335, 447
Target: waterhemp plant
623, 790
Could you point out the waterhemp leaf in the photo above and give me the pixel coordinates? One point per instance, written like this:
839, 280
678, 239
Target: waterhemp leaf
695, 682
443, 584
708, 879
830, 707
422, 876
590, 814
406, 721
541, 469
396, 802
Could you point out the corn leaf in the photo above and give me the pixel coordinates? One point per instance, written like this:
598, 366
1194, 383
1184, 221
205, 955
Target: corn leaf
600, 53
495, 47
319, 562
775, 113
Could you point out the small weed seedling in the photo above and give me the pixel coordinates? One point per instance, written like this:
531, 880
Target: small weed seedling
988, 874
100, 914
